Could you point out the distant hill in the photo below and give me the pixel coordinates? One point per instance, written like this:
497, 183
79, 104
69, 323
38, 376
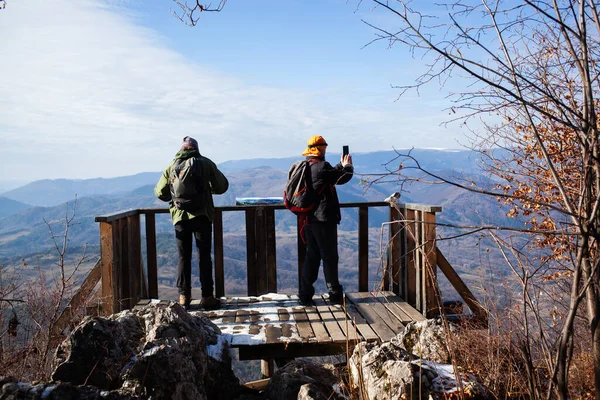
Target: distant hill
50, 192
10, 184
9, 206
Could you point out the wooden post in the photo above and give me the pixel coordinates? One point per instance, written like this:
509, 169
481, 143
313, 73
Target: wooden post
271, 248
151, 255
134, 259
251, 251
419, 262
109, 304
261, 250
363, 248
431, 301
267, 368
402, 273
124, 273
218, 252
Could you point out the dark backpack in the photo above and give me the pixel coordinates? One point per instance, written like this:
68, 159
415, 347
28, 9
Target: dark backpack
186, 184
299, 195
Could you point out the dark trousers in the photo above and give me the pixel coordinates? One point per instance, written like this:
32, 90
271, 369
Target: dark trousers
321, 244
200, 228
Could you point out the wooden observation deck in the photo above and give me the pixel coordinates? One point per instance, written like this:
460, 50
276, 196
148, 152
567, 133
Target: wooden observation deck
267, 325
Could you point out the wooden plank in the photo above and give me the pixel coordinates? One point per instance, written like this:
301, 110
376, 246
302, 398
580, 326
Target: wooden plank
317, 325
254, 330
251, 252
242, 316
410, 311
390, 300
345, 323
424, 207
288, 328
242, 302
378, 304
273, 333
228, 316
363, 248
230, 302
360, 323
79, 299
335, 332
151, 256
115, 217
458, 284
373, 319
271, 247
218, 253
259, 385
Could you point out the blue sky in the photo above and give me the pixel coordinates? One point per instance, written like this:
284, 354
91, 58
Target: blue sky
94, 88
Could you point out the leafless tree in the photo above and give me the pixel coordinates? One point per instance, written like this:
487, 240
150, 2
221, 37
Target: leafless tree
530, 74
27, 339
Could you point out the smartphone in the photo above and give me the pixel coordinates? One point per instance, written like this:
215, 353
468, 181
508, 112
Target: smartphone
345, 151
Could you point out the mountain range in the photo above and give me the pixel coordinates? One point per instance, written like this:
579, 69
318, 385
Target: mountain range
29, 213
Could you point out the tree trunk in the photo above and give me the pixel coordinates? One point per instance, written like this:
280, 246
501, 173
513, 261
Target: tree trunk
593, 309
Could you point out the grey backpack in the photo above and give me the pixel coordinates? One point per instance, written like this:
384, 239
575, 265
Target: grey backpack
187, 184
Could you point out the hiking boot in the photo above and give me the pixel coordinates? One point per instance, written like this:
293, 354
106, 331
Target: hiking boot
184, 301
306, 302
336, 298
210, 303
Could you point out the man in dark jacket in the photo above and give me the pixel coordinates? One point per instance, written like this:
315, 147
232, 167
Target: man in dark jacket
196, 223
320, 232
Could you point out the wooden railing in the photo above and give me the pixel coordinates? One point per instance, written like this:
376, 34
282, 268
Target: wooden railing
410, 266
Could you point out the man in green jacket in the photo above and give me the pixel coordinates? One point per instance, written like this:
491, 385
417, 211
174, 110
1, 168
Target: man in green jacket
195, 221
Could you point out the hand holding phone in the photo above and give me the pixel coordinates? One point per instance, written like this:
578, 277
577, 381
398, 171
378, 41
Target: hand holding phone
346, 157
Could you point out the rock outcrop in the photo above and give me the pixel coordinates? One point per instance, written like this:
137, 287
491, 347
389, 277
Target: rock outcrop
305, 380
159, 351
398, 369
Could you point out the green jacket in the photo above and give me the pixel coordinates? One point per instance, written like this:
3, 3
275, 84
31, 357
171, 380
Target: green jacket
214, 180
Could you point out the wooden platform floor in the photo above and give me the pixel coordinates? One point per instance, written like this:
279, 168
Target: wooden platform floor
276, 326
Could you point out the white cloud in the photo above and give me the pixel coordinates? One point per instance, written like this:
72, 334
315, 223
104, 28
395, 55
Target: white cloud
87, 92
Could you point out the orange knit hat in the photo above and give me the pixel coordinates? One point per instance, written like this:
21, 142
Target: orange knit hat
316, 146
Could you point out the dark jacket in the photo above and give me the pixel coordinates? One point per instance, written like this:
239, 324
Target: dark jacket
214, 183
324, 178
